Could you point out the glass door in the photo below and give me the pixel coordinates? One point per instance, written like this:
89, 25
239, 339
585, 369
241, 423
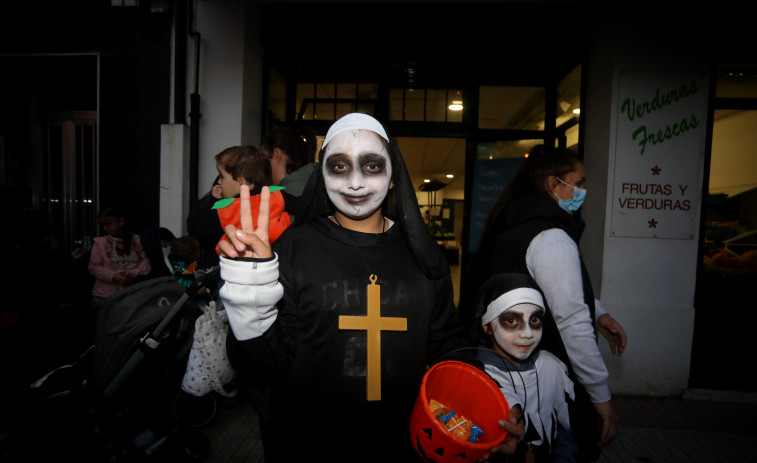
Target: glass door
69, 171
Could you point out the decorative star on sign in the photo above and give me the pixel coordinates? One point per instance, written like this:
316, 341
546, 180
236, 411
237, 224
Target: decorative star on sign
652, 223
656, 170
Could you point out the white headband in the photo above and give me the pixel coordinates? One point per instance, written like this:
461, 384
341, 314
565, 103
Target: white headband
354, 121
510, 299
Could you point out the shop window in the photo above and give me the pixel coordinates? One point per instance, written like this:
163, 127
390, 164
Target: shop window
512, 149
325, 105
737, 82
568, 106
277, 95
414, 105
306, 100
426, 105
327, 101
513, 108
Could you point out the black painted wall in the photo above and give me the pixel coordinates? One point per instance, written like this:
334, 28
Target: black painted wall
133, 46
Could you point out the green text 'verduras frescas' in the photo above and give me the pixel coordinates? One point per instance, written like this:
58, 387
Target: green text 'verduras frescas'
633, 110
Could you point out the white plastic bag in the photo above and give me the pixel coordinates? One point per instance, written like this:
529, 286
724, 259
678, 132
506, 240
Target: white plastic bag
208, 368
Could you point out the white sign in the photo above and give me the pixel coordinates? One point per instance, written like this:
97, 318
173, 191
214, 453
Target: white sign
659, 154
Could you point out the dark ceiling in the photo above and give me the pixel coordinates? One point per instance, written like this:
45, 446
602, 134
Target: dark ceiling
444, 43
512, 42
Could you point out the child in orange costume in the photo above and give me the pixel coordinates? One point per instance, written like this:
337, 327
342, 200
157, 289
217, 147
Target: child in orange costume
237, 166
228, 213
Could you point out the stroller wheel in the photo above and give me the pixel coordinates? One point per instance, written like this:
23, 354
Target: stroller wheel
193, 410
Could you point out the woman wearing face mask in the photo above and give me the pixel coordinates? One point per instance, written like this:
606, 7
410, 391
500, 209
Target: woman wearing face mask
533, 228
297, 311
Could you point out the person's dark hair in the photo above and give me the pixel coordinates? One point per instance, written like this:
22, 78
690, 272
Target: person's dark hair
299, 143
207, 200
542, 162
119, 211
246, 162
185, 248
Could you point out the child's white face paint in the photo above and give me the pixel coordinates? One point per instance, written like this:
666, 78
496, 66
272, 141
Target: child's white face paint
518, 330
357, 172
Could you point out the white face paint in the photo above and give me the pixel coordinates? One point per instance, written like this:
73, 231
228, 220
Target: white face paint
517, 331
357, 172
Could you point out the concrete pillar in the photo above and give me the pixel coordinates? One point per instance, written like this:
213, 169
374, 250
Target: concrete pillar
174, 177
645, 278
230, 82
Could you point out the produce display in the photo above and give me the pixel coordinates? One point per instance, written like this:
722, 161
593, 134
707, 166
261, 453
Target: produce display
725, 260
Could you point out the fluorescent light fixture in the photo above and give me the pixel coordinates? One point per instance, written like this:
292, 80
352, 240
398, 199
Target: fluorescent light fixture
457, 105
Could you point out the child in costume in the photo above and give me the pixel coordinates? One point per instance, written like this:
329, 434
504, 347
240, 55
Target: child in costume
535, 227
510, 307
237, 166
117, 257
246, 165
185, 251
358, 249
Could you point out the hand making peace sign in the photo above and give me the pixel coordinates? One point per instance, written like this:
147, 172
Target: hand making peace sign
249, 242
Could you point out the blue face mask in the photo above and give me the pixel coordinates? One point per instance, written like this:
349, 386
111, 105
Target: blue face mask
571, 205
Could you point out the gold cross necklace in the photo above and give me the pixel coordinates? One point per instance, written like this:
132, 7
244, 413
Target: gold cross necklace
372, 322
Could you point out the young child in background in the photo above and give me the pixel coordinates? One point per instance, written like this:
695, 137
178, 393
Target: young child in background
116, 257
184, 253
511, 309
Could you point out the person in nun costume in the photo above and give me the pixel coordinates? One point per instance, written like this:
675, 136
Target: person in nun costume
344, 313
511, 309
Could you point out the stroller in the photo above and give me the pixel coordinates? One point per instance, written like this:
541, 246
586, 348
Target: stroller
121, 400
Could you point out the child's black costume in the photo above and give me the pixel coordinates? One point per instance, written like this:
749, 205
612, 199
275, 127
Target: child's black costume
317, 365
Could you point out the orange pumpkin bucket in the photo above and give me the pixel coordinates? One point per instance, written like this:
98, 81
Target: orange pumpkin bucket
470, 393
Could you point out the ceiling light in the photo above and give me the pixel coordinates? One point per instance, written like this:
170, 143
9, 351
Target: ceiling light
450, 176
456, 102
425, 180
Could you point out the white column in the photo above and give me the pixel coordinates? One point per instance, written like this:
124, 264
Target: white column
174, 177
230, 82
645, 277
230, 91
